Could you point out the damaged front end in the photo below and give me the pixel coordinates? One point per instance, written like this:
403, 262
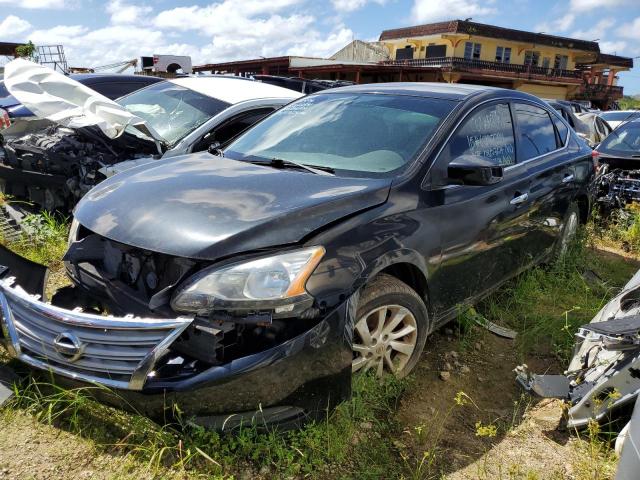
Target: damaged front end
604, 373
56, 167
219, 370
616, 188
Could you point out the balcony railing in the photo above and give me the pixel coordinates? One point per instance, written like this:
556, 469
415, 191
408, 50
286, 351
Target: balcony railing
600, 91
466, 64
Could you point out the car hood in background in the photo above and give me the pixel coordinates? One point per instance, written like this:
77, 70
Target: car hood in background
206, 207
60, 99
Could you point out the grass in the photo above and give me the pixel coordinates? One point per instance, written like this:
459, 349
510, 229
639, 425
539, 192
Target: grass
359, 439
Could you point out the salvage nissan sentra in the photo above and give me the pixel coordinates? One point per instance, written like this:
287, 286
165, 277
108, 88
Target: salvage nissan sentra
333, 236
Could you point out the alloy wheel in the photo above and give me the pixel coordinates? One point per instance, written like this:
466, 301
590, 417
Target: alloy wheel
384, 340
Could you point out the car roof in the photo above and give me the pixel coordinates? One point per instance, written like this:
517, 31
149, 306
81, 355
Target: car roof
112, 77
451, 91
234, 90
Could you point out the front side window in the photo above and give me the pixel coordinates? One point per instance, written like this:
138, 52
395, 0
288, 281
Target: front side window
531, 57
172, 110
488, 134
365, 134
472, 50
536, 134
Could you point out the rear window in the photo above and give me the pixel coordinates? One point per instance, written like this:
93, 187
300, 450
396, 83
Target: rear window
624, 140
618, 116
563, 131
535, 131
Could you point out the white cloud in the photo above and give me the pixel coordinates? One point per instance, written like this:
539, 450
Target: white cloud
563, 23
124, 13
630, 30
617, 47
14, 25
347, 6
585, 5
34, 4
597, 31
432, 11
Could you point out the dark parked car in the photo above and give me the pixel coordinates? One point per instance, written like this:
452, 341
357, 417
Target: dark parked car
23, 121
302, 85
333, 236
618, 156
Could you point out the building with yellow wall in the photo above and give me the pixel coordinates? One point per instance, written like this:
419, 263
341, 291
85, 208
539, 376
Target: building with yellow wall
461, 51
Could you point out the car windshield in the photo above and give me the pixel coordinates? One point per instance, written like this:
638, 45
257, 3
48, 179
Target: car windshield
624, 140
368, 133
618, 116
173, 111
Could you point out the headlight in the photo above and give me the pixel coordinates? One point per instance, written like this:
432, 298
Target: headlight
271, 281
73, 231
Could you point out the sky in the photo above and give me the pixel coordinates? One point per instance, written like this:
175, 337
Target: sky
96, 32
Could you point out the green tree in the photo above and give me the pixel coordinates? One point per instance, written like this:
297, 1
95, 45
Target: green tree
26, 51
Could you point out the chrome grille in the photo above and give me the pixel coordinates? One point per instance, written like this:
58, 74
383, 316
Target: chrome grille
116, 352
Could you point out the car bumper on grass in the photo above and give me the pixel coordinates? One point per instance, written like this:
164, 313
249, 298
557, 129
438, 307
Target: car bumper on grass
288, 384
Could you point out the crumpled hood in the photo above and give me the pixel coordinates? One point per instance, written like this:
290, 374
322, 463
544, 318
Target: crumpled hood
206, 207
53, 96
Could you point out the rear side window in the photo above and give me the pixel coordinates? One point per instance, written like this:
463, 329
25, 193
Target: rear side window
536, 134
487, 133
563, 131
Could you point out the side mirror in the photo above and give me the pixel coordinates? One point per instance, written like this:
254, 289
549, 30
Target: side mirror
473, 170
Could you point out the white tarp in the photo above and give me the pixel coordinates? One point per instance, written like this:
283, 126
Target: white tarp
58, 98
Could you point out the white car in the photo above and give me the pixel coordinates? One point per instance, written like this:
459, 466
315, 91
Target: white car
615, 118
94, 137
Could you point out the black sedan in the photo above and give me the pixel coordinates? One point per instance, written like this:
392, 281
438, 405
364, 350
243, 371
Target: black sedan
332, 237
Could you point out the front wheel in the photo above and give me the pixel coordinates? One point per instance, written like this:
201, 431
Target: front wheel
391, 328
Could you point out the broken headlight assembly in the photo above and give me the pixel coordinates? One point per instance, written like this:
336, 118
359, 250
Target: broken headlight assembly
275, 284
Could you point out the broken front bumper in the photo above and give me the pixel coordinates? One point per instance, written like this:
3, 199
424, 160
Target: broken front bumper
289, 383
115, 352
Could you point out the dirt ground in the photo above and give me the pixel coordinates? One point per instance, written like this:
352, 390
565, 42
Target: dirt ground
493, 431
433, 419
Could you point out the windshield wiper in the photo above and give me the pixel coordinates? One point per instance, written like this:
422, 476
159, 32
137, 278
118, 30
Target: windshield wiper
281, 163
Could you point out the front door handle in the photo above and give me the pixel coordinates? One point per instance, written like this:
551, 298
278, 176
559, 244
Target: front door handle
520, 199
568, 178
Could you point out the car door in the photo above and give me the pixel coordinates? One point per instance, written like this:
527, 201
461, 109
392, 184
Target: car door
481, 227
541, 143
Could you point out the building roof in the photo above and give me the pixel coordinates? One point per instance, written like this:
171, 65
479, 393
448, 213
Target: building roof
614, 60
484, 30
451, 91
9, 48
234, 90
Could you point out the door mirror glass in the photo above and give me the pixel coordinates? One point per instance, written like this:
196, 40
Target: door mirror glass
474, 170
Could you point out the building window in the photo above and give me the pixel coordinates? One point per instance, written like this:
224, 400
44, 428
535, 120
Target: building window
546, 61
560, 62
531, 57
503, 54
472, 51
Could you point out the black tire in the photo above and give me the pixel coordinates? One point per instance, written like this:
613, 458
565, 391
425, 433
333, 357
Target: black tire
386, 290
568, 231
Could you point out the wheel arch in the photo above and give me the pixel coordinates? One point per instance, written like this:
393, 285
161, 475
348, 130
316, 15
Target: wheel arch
408, 266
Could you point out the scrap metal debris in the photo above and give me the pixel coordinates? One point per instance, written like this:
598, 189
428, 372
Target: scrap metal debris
604, 373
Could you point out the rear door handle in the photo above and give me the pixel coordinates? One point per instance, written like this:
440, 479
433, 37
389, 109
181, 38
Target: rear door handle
568, 178
520, 199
